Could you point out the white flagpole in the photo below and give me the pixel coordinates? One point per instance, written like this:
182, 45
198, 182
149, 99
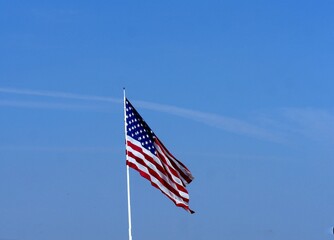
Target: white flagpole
127, 172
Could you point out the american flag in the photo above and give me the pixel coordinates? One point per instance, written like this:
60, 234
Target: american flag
146, 154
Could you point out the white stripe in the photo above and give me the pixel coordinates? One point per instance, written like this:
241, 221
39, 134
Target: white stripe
158, 161
169, 165
157, 182
152, 166
185, 171
147, 163
176, 179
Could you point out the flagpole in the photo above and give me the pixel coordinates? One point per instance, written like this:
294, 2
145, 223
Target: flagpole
127, 173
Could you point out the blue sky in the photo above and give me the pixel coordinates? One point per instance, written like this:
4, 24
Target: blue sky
240, 91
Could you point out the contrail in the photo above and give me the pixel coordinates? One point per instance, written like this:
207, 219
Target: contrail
226, 123
50, 105
58, 149
58, 95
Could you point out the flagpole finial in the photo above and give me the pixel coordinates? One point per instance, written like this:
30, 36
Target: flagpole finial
124, 93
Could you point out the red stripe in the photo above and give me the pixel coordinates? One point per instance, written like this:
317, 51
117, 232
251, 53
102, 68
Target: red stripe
185, 176
156, 175
173, 171
147, 157
145, 175
187, 173
162, 168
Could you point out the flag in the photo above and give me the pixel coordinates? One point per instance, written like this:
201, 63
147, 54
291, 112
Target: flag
146, 154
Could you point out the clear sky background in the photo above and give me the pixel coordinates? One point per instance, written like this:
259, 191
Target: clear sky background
240, 91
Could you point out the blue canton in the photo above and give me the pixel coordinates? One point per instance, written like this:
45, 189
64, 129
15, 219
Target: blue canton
138, 129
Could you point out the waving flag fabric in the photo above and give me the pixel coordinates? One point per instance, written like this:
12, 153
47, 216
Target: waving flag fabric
146, 154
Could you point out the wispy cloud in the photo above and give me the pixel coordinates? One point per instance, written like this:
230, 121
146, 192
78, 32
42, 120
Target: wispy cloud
50, 105
225, 123
276, 126
55, 94
317, 124
299, 124
88, 149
